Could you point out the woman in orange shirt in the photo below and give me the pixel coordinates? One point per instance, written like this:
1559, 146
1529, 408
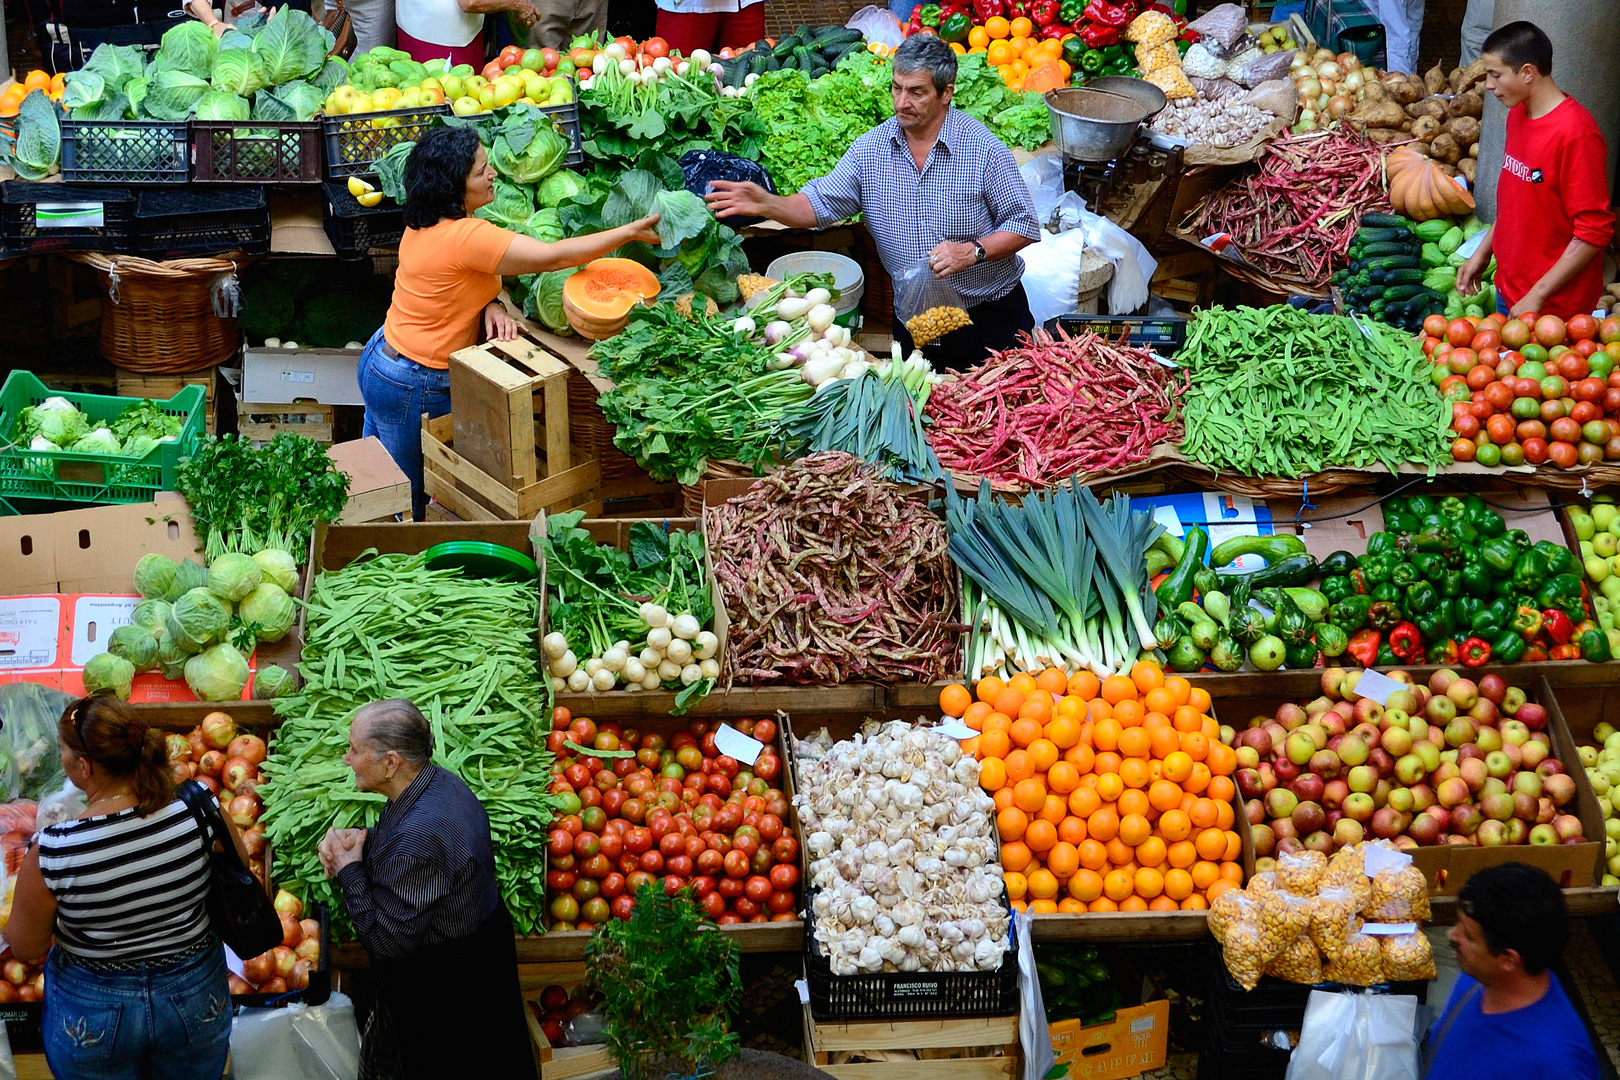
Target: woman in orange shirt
450, 270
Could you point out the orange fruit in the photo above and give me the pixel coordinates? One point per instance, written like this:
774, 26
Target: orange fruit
1093, 854
1178, 884
1159, 700
1134, 742
1070, 906
1118, 884
1117, 688
1098, 709
1107, 762
1072, 830
1023, 682
1221, 789
1203, 814
1186, 719
975, 715
1194, 745
1011, 823
1024, 732
1234, 846
954, 700
1134, 772
997, 27
978, 38
1211, 730
1002, 797
1144, 673
1045, 754
1043, 907
1041, 835
1043, 885
1081, 757
1130, 713
1174, 826
1164, 742
997, 722
1224, 815
1008, 701
1104, 826
1195, 902
1151, 852
1105, 734
1181, 854
1110, 786
1205, 874
1063, 731
1222, 759
1084, 801
1177, 766
992, 773
1198, 698
1217, 890
1029, 795
1102, 903
1019, 766
970, 747
993, 744
1233, 872
1070, 706
1120, 854
1063, 860
1015, 856
1133, 801
1086, 885
1133, 829
1180, 687
1133, 903
1149, 882
1084, 685
1055, 810
1052, 680
1036, 707
1162, 903
1164, 795
1062, 777
1198, 781
987, 688
1017, 885
37, 80
1211, 844
1021, 27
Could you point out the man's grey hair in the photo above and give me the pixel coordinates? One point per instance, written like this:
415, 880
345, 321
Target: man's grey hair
398, 725
925, 52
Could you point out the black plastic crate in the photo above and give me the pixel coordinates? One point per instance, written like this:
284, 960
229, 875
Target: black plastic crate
908, 995
193, 222
355, 229
256, 152
320, 980
126, 151
39, 218
1262, 1064
355, 142
567, 118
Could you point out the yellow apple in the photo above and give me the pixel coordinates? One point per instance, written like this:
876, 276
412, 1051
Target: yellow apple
453, 87
486, 97
561, 92
430, 83
410, 99
505, 93
334, 105
431, 96
465, 106
473, 83
386, 98
362, 104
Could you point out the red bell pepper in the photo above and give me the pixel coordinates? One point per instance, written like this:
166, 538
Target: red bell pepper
1557, 626
1044, 12
1535, 654
1103, 13
985, 10
1565, 652
1405, 641
1099, 37
1056, 30
1017, 9
1475, 652
1191, 37
1364, 647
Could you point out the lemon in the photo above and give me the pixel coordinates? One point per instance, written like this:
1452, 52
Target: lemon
370, 198
360, 189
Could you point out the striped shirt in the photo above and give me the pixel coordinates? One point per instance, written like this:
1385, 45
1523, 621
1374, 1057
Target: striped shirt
126, 886
428, 872
969, 188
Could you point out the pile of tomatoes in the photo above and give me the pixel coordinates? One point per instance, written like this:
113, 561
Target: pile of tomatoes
1529, 390
641, 807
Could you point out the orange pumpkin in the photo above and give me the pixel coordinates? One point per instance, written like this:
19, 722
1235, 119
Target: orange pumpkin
598, 297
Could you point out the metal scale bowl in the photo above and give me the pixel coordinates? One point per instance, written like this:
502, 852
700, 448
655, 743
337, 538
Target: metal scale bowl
1097, 128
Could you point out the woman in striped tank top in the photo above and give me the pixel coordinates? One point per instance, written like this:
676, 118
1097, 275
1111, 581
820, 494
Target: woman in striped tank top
135, 985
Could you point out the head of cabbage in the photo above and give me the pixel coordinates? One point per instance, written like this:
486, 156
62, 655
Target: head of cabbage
56, 419
189, 574
151, 615
109, 674
157, 577
218, 673
274, 681
279, 568
197, 618
99, 441
171, 658
135, 644
222, 105
269, 610
231, 577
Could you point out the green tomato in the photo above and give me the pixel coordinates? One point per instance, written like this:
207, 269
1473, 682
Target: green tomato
1532, 369
1438, 374
1488, 455
1594, 431
1601, 364
1552, 388
1525, 408
1536, 354
532, 60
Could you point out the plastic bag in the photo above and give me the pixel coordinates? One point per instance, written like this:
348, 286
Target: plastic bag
878, 24
1052, 274
64, 804
1277, 96
930, 307
1407, 958
1151, 28
1225, 23
1173, 81
1242, 953
1333, 919
1264, 68
1360, 962
1351, 1036
29, 763
1033, 1031
1043, 174
299, 1042
1283, 917
1299, 962
1151, 58
1398, 895
1300, 872
700, 167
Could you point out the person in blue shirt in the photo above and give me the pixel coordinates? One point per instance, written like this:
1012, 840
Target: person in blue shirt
1508, 1016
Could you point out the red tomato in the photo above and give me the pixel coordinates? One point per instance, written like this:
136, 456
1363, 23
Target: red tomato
730, 887
1535, 451
744, 907
1465, 426
736, 864
765, 731
1563, 454
713, 905
1585, 412
655, 47
679, 865
786, 849
1485, 339
758, 888
629, 44
1463, 450
1550, 330
1530, 429
1573, 366
1435, 326
1459, 332
1587, 348
1480, 376
1499, 395
1582, 328
780, 903
784, 876
1565, 429
1500, 428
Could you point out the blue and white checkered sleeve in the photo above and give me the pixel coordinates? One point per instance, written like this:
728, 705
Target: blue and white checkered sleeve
837, 195
1012, 209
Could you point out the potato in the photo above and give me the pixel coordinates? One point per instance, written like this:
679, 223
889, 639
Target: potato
1425, 128
1444, 148
1384, 135
1434, 80
1427, 107
1465, 129
1383, 114
1449, 170
1407, 91
1373, 91
1469, 77
1473, 151
1470, 104
1467, 166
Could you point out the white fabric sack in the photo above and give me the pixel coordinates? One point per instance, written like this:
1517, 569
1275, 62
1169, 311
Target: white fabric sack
1349, 1036
1033, 1033
1133, 266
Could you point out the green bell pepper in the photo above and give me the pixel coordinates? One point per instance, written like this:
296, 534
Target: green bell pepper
1074, 50
1420, 506
1487, 521
1527, 622
1420, 597
1436, 623
1384, 615
1428, 564
1069, 11
1399, 521
1477, 575
1594, 646
1386, 657
1451, 584
1388, 593
1405, 575
1350, 614
1377, 569
955, 26
1560, 560
1381, 543
1092, 62
1520, 538
1499, 554
1452, 507
1443, 654
928, 15
1491, 620
1530, 571
1336, 588
1440, 538
1464, 608
1507, 647
1564, 593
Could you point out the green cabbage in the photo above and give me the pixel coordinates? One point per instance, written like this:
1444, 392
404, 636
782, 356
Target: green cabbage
544, 225
274, 681
157, 576
545, 302
188, 49
136, 90
171, 658
290, 46
188, 574
99, 441
233, 576
279, 569
510, 207
560, 187
197, 618
529, 162
333, 74
174, 94
151, 615
116, 64
218, 674
216, 105
269, 610
135, 644
109, 674
295, 101
81, 89
239, 72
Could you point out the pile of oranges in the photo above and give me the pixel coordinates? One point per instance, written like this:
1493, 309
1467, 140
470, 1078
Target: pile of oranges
1111, 795
11, 100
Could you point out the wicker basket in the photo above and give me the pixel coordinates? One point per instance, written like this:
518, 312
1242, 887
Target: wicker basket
157, 318
722, 469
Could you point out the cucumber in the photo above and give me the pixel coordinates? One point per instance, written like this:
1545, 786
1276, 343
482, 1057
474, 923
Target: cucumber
1366, 235
1384, 221
1373, 251
1393, 262
1405, 276
785, 47
759, 63
1402, 292
839, 35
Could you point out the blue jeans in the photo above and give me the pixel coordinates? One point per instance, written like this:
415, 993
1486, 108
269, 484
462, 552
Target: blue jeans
164, 1023
397, 392
1502, 306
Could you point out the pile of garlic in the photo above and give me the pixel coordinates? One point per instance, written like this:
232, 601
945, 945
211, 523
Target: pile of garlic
905, 864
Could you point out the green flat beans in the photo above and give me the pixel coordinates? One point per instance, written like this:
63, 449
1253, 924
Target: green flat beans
465, 652
1280, 392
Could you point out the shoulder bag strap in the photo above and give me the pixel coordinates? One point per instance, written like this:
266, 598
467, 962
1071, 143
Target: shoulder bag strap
1433, 1049
206, 811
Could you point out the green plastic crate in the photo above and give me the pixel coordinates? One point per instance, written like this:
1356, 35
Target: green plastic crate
92, 478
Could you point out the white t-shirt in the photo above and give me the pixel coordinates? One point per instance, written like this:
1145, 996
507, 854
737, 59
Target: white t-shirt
704, 7
438, 22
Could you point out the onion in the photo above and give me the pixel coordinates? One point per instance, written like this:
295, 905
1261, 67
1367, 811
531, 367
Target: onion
1321, 103
1338, 106
286, 903
1299, 61
1320, 56
244, 810
1329, 87
1355, 79
282, 959
1306, 124
311, 929
1329, 70
1348, 60
259, 969
218, 729
1310, 88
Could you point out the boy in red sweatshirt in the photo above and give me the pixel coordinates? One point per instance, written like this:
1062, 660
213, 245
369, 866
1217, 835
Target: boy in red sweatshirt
1552, 198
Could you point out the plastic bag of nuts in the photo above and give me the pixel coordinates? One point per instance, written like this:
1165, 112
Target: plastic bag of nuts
1333, 919
1299, 962
1242, 954
1261, 884
1408, 958
1347, 870
1360, 963
1398, 895
1230, 907
1283, 917
1300, 872
930, 307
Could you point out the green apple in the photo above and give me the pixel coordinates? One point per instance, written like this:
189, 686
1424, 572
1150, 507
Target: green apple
1614, 865
465, 106
1605, 544
1611, 769
1603, 514
562, 92
1587, 550
1611, 587
1582, 524
1596, 569
1602, 732
1611, 827
1609, 880
453, 87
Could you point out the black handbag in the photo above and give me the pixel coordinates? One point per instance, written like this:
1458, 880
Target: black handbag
239, 909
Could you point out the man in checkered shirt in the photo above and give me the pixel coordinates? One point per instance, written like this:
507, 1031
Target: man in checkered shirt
935, 188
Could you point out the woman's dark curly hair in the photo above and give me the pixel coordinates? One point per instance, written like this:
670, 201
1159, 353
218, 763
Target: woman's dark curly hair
436, 176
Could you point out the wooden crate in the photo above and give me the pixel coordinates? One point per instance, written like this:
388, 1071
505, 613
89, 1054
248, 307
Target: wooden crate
936, 1044
163, 387
511, 410
261, 423
559, 1062
472, 494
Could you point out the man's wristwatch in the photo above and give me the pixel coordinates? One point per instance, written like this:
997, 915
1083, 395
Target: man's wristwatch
978, 252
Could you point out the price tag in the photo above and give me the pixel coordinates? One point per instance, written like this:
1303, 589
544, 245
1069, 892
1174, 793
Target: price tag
955, 729
733, 743
1378, 686
1389, 929
1377, 858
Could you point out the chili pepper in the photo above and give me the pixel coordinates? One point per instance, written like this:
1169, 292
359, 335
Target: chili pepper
1099, 37
1560, 560
1508, 647
1530, 571
1071, 11
1557, 625
1594, 645
1364, 647
1056, 32
1444, 654
1383, 615
1103, 13
1336, 588
955, 26
1377, 569
1405, 641
1388, 592
1564, 652
1564, 593
1527, 623
1475, 652
928, 15
1386, 657
1350, 613
1421, 597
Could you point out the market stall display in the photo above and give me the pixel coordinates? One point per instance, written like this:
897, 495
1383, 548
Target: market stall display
1601, 759
1435, 116
286, 967
226, 761
1402, 273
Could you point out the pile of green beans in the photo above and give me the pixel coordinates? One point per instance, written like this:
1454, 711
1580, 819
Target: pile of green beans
1280, 392
465, 652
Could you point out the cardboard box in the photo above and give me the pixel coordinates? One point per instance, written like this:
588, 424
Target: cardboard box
296, 227
1136, 1041
284, 376
378, 488
93, 550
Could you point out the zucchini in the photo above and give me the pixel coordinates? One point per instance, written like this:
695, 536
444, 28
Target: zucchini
1384, 221
1366, 235
1373, 251
1405, 276
1294, 570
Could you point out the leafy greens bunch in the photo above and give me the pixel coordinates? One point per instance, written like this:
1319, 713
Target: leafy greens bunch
620, 121
31, 142
811, 124
244, 499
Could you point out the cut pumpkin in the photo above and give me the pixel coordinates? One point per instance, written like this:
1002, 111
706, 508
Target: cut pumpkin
598, 297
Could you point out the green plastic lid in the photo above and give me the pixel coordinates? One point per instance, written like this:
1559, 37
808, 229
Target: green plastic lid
480, 559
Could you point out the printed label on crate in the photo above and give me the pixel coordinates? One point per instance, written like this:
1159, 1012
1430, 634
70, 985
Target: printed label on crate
1220, 513
69, 215
914, 989
298, 377
30, 627
94, 620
